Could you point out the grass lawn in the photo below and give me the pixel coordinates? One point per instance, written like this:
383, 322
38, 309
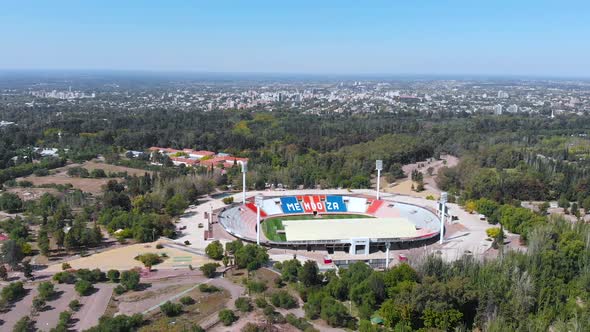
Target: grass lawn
270, 226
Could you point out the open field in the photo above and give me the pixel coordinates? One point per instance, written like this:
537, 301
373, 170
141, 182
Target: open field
108, 168
93, 186
123, 259
90, 185
206, 304
270, 226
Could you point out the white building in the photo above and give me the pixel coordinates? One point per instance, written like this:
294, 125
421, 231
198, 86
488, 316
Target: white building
512, 109
498, 109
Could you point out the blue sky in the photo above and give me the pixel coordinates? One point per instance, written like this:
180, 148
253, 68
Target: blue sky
519, 37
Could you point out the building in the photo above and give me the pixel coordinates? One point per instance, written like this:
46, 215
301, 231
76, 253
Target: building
498, 109
512, 109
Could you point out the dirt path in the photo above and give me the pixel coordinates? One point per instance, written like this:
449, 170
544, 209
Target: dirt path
93, 307
235, 291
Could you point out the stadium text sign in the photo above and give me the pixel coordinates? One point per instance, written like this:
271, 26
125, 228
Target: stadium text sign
310, 204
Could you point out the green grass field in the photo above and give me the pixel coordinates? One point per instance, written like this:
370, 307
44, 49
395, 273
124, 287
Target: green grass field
270, 226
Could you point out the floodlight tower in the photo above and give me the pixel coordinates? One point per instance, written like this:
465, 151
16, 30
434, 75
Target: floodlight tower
379, 166
258, 202
442, 204
244, 170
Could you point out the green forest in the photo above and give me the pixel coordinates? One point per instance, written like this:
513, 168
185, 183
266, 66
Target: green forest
504, 160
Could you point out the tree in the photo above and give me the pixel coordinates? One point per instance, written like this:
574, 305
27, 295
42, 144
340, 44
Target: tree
243, 304
83, 287
11, 253
27, 269
252, 256
227, 317
74, 305
113, 275
10, 203
43, 242
176, 205
46, 290
25, 324
38, 304
171, 309
209, 269
149, 259
120, 323
214, 250
3, 272
130, 280
309, 273
14, 291
59, 237
282, 299
290, 270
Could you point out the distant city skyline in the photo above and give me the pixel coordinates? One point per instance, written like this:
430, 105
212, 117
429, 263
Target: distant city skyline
381, 38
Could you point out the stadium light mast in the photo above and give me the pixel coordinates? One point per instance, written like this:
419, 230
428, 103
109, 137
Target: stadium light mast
443, 211
379, 166
258, 202
244, 170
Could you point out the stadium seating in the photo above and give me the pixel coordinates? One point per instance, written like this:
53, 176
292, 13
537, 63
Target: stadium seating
271, 207
254, 209
356, 204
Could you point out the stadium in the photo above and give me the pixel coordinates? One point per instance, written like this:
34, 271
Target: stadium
357, 224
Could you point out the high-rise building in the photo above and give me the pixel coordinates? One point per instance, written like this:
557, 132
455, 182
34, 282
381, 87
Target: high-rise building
498, 109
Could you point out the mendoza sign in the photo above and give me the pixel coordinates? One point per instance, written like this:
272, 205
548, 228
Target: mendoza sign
291, 205
335, 204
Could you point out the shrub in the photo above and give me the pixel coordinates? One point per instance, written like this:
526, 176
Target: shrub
227, 317
64, 317
64, 277
283, 299
83, 287
300, 323
493, 232
228, 200
130, 280
205, 288
92, 276
113, 275
46, 290
187, 243
187, 300
261, 302
65, 266
243, 304
171, 309
120, 289
256, 286
74, 305
209, 269
159, 246
14, 291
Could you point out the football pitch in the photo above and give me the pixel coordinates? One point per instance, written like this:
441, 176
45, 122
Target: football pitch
270, 226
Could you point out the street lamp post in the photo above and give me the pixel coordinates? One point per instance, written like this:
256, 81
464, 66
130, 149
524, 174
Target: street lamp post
244, 170
379, 166
258, 202
443, 212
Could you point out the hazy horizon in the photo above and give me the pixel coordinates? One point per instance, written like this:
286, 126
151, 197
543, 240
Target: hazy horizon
381, 38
